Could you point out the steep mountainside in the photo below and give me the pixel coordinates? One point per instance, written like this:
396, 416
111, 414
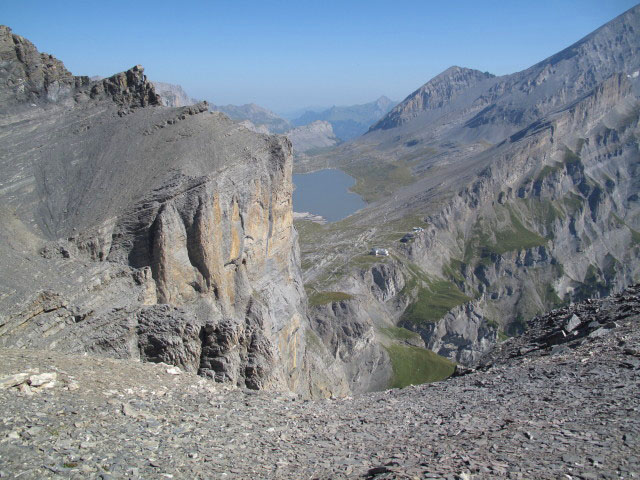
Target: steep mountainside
498, 197
444, 93
138, 231
350, 121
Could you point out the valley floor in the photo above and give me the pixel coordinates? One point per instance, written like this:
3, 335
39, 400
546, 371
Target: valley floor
536, 412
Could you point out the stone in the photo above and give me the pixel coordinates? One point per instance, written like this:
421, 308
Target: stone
600, 332
43, 380
573, 323
13, 380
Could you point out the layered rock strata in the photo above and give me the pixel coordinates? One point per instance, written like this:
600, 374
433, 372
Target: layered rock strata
138, 231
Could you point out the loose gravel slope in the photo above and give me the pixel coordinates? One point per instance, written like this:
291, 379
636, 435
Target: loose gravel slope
545, 405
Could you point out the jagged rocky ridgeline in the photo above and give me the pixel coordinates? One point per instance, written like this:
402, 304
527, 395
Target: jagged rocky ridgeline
138, 231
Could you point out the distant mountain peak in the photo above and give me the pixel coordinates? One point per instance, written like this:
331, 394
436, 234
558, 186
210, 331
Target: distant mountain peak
349, 121
456, 70
257, 115
383, 101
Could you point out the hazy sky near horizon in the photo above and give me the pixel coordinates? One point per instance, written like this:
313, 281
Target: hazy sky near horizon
285, 55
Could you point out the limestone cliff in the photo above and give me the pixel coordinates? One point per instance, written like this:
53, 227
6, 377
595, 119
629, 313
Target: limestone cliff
316, 135
140, 231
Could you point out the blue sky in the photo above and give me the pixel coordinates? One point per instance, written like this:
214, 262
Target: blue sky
289, 54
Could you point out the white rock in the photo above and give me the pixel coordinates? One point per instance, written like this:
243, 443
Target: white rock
174, 371
26, 389
573, 323
13, 380
44, 380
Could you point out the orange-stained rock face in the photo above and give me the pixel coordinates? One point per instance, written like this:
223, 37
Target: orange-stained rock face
166, 232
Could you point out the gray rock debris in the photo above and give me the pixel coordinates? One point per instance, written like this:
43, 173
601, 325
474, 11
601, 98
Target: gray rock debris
521, 416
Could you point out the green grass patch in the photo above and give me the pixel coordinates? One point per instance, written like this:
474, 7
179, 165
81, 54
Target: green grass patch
547, 171
399, 333
433, 297
322, 298
573, 202
571, 160
378, 180
454, 270
492, 323
592, 277
418, 155
365, 261
433, 301
550, 297
308, 230
518, 327
414, 366
617, 220
516, 238
544, 212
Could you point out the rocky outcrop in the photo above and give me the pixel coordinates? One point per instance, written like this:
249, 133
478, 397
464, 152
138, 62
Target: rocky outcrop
254, 128
162, 234
316, 135
463, 334
173, 95
129, 89
346, 329
31, 76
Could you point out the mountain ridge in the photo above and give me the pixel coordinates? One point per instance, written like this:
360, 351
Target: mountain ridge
349, 121
513, 194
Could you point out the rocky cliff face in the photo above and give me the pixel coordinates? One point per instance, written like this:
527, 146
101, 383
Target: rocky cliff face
139, 231
316, 135
491, 108
31, 76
